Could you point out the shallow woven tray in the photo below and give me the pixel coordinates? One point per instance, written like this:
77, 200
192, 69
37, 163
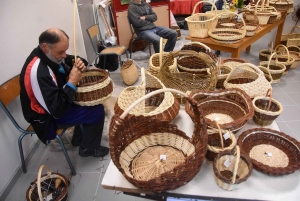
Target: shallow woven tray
287, 151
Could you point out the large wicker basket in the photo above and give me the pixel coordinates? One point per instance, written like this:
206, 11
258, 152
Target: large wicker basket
200, 47
162, 106
271, 152
94, 88
154, 155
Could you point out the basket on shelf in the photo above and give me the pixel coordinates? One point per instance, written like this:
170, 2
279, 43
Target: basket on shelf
225, 11
216, 143
49, 186
155, 155
233, 62
156, 60
251, 22
270, 151
266, 109
232, 108
200, 47
291, 35
275, 68
287, 5
129, 72
190, 62
262, 14
283, 57
266, 73
223, 72
295, 53
227, 35
231, 168
249, 78
94, 87
199, 23
264, 54
162, 106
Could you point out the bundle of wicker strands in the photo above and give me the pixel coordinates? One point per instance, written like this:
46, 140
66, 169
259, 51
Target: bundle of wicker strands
270, 151
155, 155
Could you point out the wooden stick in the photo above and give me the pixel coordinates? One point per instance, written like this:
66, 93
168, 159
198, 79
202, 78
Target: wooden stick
74, 30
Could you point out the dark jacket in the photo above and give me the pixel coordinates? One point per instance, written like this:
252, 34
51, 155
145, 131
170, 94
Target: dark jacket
135, 11
45, 94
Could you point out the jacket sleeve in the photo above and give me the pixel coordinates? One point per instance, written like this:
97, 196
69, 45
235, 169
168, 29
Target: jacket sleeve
134, 17
152, 17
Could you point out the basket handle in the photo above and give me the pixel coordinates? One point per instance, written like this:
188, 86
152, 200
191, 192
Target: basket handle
199, 43
270, 59
220, 133
252, 66
39, 179
260, 67
160, 51
213, 7
269, 94
287, 51
236, 164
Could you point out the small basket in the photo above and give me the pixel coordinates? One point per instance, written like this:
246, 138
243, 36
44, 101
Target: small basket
251, 23
200, 47
233, 62
283, 57
54, 186
283, 5
266, 73
94, 88
264, 54
231, 169
199, 23
270, 151
275, 68
222, 75
217, 144
231, 108
129, 72
291, 35
295, 53
136, 143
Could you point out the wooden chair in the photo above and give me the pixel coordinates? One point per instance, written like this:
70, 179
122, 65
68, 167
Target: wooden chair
9, 91
93, 32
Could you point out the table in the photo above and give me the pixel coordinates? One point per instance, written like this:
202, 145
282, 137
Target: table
203, 186
236, 48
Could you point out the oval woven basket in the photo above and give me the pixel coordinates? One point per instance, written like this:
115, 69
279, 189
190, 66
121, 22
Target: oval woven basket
283, 5
94, 88
233, 62
129, 72
270, 151
200, 47
192, 64
223, 72
264, 54
231, 169
231, 108
283, 57
136, 143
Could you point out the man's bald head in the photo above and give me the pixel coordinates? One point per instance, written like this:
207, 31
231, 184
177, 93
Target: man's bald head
52, 36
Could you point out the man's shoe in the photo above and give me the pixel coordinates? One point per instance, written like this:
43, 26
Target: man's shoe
98, 152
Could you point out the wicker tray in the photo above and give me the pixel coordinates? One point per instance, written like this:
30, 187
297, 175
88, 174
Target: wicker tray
94, 88
255, 143
136, 143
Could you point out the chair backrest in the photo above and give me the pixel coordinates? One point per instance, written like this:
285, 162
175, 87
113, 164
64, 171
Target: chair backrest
10, 90
131, 27
94, 31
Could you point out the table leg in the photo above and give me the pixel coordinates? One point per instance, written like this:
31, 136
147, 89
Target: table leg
279, 33
235, 54
248, 49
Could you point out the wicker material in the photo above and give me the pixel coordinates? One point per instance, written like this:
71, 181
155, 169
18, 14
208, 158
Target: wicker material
251, 22
295, 53
200, 23
192, 64
271, 140
223, 72
59, 190
266, 73
253, 83
232, 108
275, 68
283, 57
264, 54
200, 47
283, 5
132, 139
129, 72
94, 88
262, 14
162, 106
239, 170
233, 62
183, 81
293, 41
217, 144
291, 35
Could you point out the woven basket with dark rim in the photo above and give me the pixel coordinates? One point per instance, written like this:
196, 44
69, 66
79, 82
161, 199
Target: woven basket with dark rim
293, 49
192, 64
264, 54
200, 47
283, 57
285, 151
94, 88
232, 107
136, 143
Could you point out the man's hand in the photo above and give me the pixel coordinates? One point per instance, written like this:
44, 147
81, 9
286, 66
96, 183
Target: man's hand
143, 17
75, 74
80, 64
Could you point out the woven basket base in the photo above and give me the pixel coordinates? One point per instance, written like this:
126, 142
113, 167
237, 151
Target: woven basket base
149, 165
221, 118
260, 154
261, 122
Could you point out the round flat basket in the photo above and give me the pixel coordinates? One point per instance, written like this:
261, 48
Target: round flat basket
270, 151
129, 72
94, 88
155, 155
230, 108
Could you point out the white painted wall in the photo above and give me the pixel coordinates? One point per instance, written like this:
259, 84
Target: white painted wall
21, 23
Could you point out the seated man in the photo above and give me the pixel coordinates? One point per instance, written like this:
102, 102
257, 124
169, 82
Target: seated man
142, 17
48, 82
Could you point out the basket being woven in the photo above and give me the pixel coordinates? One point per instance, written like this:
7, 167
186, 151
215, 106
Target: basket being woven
271, 152
162, 106
94, 88
155, 155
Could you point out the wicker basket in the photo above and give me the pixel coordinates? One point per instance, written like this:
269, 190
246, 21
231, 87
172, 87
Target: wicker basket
199, 23
253, 83
129, 72
291, 35
136, 143
223, 72
266, 109
231, 108
55, 186
264, 54
262, 14
217, 144
233, 62
271, 152
200, 47
275, 68
295, 53
266, 73
162, 106
225, 11
156, 60
283, 57
283, 5
231, 169
293, 41
251, 22
191, 63
94, 88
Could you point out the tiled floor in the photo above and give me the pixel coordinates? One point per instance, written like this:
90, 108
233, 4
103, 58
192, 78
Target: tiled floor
86, 185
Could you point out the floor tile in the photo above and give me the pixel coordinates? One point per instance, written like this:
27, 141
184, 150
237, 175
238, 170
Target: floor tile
295, 97
283, 99
285, 128
290, 113
295, 127
290, 77
289, 86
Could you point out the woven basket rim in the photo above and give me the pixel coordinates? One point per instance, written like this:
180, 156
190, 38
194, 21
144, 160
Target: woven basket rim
270, 113
217, 149
104, 73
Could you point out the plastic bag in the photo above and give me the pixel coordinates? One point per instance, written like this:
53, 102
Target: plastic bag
140, 55
112, 40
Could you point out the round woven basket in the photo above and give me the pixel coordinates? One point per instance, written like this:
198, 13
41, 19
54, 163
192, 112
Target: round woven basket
231, 169
94, 88
251, 22
231, 108
266, 109
284, 5
129, 72
155, 155
264, 54
200, 47
295, 53
223, 72
266, 73
270, 151
283, 57
233, 62
191, 63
